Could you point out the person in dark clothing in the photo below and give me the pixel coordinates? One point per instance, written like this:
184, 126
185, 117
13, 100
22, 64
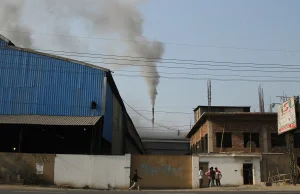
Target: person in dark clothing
212, 174
250, 177
135, 180
218, 177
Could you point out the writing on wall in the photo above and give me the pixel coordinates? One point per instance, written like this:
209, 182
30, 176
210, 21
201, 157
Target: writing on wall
165, 169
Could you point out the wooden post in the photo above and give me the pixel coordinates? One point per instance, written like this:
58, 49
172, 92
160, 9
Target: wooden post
222, 138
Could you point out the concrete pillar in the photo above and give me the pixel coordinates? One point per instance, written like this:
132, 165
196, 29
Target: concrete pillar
195, 172
210, 143
265, 139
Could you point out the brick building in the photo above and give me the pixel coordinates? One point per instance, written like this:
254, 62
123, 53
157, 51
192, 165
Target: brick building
216, 132
237, 131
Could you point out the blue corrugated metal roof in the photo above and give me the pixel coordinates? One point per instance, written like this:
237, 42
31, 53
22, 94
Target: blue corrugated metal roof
35, 83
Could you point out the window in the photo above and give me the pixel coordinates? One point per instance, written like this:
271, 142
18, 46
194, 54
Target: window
297, 140
254, 137
277, 140
226, 142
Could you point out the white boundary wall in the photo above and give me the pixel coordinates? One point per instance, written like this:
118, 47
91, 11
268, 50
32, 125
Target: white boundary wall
232, 167
93, 171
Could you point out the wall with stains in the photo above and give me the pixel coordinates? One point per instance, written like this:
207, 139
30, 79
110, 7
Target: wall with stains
273, 164
21, 168
161, 171
98, 172
231, 168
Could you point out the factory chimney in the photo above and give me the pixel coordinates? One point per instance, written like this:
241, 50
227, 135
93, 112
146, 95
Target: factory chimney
153, 117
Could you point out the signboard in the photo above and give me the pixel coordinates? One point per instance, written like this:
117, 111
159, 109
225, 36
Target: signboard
39, 168
287, 116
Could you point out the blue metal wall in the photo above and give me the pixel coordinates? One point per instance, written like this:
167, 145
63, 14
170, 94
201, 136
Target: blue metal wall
3, 43
36, 84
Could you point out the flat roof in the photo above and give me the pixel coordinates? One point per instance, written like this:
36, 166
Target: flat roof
203, 117
202, 106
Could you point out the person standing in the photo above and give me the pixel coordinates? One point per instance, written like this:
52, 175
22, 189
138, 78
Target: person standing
201, 177
218, 177
250, 177
212, 174
208, 176
135, 180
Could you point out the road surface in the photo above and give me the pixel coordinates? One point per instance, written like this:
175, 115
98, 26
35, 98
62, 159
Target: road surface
71, 191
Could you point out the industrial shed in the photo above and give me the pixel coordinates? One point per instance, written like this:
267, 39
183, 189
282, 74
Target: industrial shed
51, 104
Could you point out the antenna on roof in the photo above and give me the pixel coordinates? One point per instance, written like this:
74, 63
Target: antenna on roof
209, 94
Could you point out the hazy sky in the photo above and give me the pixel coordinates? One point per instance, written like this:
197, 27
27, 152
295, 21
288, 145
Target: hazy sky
253, 24
213, 30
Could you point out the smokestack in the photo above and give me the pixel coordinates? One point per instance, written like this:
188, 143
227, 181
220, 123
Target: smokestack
153, 117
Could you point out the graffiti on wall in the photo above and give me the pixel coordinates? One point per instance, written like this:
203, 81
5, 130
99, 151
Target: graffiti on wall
165, 169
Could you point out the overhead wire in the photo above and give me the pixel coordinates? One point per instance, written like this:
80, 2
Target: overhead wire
192, 78
207, 74
259, 66
167, 112
187, 62
153, 42
146, 117
160, 60
215, 79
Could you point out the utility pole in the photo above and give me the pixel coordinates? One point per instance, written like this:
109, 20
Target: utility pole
289, 136
283, 98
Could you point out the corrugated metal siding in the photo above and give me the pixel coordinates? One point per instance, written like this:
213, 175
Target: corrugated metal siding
2, 43
35, 84
108, 116
48, 120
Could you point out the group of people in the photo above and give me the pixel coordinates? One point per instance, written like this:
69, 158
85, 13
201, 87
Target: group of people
214, 177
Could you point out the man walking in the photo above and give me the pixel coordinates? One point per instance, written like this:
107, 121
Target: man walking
135, 180
201, 177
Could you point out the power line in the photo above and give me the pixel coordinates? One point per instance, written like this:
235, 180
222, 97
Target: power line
152, 42
191, 78
201, 74
168, 126
257, 65
199, 63
215, 79
162, 60
146, 117
173, 67
167, 112
42, 69
187, 62
171, 121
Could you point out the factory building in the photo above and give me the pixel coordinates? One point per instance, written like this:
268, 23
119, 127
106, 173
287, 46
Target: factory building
51, 104
162, 142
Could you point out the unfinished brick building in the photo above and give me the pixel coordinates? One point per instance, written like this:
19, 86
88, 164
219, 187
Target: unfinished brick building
237, 130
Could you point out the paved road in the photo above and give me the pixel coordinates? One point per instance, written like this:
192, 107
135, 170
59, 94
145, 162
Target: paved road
28, 191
